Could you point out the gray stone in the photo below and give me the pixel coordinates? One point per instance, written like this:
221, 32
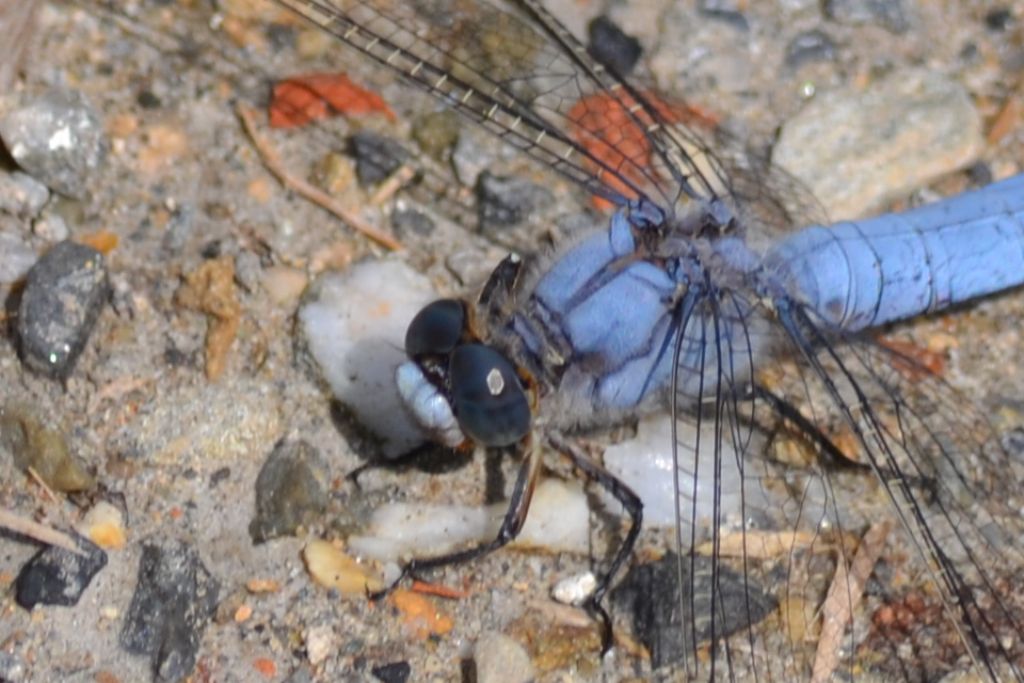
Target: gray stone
503, 201
58, 138
377, 157
51, 227
291, 490
859, 149
21, 194
173, 601
64, 293
500, 659
16, 258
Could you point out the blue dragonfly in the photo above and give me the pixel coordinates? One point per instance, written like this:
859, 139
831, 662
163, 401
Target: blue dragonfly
717, 292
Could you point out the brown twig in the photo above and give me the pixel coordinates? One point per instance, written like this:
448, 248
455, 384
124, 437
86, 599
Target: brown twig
392, 184
273, 164
40, 532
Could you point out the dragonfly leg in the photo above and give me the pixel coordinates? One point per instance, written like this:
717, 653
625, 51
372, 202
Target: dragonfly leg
511, 525
633, 506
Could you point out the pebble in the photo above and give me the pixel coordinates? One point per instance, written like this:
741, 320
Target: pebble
103, 524
55, 576
320, 642
12, 667
893, 15
500, 659
21, 194
558, 521
59, 139
393, 672
810, 46
16, 258
51, 227
650, 594
64, 293
574, 590
377, 157
353, 325
291, 490
503, 201
329, 567
473, 153
35, 443
644, 463
612, 47
173, 601
858, 149
406, 220
437, 132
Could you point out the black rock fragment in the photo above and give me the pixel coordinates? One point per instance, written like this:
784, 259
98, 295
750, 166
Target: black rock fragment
395, 672
377, 157
64, 293
55, 576
291, 489
503, 201
661, 614
173, 601
612, 47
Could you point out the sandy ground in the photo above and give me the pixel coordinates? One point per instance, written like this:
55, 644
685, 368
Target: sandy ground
184, 451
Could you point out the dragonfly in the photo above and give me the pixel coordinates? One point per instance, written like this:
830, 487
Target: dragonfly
715, 293
718, 292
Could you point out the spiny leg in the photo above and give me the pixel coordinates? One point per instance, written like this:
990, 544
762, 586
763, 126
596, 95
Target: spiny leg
511, 525
633, 506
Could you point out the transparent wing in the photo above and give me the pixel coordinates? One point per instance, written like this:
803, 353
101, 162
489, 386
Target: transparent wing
879, 519
518, 73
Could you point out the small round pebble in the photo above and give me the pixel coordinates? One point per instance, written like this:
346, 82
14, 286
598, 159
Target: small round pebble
500, 659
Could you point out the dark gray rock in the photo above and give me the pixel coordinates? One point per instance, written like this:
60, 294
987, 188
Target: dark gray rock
21, 194
810, 46
612, 47
727, 11
55, 576
58, 138
291, 489
395, 672
409, 221
668, 622
504, 201
64, 293
377, 157
173, 601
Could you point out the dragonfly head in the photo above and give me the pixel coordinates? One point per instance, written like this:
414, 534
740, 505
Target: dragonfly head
458, 388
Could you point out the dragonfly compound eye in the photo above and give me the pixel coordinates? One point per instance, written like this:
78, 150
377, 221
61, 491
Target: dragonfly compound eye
489, 401
436, 329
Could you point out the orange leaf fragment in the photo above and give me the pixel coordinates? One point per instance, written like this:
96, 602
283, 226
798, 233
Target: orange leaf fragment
299, 100
912, 361
612, 130
265, 666
420, 614
103, 241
